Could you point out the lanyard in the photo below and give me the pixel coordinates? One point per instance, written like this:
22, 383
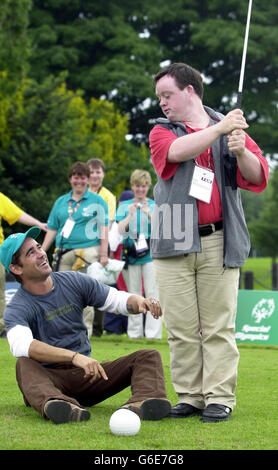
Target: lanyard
208, 154
72, 211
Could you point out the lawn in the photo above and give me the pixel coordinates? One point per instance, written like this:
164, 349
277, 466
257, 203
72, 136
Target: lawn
262, 272
254, 424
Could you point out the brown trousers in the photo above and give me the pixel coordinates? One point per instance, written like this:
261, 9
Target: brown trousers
142, 370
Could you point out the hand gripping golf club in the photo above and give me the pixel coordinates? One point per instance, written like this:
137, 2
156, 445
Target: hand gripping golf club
241, 78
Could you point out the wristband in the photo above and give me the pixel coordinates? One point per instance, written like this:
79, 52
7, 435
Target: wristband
74, 355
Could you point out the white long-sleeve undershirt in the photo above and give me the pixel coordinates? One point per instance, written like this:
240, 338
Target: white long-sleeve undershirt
20, 337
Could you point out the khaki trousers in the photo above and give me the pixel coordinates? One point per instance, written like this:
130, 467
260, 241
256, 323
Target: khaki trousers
199, 300
90, 254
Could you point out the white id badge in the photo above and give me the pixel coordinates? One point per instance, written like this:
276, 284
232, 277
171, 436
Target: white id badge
67, 229
141, 243
201, 184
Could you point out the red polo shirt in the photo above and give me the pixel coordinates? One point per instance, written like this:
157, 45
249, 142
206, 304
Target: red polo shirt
160, 141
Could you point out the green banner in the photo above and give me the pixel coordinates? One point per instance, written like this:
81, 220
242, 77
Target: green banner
257, 317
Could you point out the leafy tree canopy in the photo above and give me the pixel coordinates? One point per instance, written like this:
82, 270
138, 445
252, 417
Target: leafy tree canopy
14, 55
113, 48
53, 128
76, 77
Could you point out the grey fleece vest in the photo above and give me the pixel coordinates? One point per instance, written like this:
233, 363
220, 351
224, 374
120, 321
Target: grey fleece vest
175, 216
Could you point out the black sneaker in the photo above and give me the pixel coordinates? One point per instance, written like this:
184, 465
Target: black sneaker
215, 413
61, 411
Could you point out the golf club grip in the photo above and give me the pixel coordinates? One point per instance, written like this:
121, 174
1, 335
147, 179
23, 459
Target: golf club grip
239, 99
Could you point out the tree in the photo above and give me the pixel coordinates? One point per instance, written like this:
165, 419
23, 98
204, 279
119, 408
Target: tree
54, 128
103, 57
264, 229
101, 45
113, 48
108, 142
14, 55
14, 41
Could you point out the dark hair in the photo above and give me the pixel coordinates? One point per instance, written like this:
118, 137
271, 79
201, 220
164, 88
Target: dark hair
79, 168
15, 260
96, 163
184, 75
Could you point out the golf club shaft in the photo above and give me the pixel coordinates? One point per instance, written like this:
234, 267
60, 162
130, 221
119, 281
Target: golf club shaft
241, 78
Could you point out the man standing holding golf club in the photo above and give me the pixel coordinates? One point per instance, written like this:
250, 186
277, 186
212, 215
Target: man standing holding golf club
202, 159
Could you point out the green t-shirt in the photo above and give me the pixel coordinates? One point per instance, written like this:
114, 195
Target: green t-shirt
139, 224
88, 214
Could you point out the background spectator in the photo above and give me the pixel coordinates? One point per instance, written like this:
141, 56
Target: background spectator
78, 222
134, 218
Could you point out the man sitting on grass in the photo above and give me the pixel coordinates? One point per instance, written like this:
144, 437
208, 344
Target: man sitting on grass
44, 321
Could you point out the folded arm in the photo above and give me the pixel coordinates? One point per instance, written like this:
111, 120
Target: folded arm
191, 145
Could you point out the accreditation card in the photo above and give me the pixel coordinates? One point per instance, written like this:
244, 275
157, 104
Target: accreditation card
201, 184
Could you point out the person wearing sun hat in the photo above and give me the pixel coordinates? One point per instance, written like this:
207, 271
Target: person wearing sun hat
46, 332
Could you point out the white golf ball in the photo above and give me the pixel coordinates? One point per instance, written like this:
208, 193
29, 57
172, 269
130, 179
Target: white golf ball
124, 423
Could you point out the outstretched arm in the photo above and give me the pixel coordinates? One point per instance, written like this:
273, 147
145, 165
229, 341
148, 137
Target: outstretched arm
138, 304
27, 219
119, 301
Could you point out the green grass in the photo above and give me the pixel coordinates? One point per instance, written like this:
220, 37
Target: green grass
254, 424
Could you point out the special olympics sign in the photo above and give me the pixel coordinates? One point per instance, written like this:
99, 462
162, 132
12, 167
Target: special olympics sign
257, 317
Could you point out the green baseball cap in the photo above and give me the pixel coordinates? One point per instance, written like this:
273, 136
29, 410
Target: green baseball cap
12, 244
